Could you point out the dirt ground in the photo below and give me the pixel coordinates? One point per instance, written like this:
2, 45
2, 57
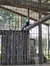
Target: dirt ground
28, 65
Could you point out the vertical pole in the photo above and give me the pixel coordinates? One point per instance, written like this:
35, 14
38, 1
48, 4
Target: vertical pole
2, 50
28, 15
40, 37
40, 44
48, 41
21, 22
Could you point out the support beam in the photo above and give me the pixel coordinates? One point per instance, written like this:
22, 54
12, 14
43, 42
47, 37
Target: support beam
11, 10
40, 36
40, 44
23, 14
46, 24
17, 13
40, 21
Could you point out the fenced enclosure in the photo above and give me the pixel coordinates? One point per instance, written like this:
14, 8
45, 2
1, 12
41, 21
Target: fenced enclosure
24, 32
22, 47
14, 47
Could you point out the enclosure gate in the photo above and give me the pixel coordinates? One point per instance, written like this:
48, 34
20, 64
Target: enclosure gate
14, 47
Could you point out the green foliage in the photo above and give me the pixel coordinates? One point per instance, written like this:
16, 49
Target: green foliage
24, 20
8, 18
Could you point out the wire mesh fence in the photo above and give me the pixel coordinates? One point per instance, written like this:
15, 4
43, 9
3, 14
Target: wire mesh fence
14, 47
19, 46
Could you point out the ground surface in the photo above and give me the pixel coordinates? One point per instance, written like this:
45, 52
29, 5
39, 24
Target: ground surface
28, 65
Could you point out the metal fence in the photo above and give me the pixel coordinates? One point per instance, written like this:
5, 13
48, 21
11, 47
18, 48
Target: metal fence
21, 47
14, 47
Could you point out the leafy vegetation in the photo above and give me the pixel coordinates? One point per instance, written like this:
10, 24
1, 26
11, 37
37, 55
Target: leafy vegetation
8, 19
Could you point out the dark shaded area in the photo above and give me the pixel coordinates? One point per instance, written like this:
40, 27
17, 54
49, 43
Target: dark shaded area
45, 59
32, 61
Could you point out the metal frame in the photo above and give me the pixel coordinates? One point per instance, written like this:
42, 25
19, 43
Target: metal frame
24, 4
23, 14
35, 6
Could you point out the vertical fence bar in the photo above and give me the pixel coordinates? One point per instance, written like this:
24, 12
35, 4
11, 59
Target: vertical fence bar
40, 37
48, 41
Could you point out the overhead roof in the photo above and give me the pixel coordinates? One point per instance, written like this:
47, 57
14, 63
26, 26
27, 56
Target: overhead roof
21, 7
28, 4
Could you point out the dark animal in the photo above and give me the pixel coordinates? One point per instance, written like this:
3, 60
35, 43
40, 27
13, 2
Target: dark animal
27, 24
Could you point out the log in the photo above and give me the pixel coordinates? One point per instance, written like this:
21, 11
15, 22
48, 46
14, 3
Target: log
40, 21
